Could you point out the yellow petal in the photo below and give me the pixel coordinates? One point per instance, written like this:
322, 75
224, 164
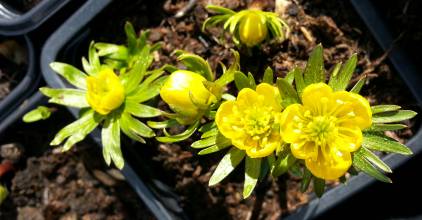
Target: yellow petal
358, 108
104, 91
263, 151
290, 119
271, 95
349, 138
222, 119
330, 168
315, 95
252, 28
246, 98
304, 149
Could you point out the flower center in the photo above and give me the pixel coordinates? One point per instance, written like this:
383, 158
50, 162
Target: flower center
258, 121
321, 129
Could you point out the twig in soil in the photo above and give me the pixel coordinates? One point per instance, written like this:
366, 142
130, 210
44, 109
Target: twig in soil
308, 36
182, 12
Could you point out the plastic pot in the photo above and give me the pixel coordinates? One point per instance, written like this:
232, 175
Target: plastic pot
156, 196
26, 86
408, 72
13, 22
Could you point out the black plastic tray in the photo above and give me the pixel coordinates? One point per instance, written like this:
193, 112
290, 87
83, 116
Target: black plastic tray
27, 85
16, 23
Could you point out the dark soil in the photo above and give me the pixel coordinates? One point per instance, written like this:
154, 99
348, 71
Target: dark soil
48, 184
13, 63
332, 23
22, 5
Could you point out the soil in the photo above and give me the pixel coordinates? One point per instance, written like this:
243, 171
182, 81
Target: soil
22, 5
13, 63
332, 23
47, 184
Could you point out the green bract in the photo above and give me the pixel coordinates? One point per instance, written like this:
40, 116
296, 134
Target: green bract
131, 62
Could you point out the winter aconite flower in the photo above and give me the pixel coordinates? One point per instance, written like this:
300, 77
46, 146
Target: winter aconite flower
115, 103
326, 128
184, 91
252, 121
250, 26
104, 91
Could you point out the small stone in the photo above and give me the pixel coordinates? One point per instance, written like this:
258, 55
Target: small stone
104, 178
11, 151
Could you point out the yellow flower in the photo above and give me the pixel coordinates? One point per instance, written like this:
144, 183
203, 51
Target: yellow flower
185, 93
252, 27
326, 128
252, 121
105, 92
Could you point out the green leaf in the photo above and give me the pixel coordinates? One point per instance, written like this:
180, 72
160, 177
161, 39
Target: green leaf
179, 137
210, 133
371, 157
112, 51
340, 81
251, 80
128, 131
214, 148
395, 116
252, 171
268, 76
358, 86
141, 111
227, 165
382, 143
282, 165
134, 76
314, 70
228, 75
299, 81
68, 97
131, 37
70, 73
207, 127
287, 92
306, 179
219, 9
291, 76
319, 186
360, 163
110, 138
203, 143
241, 81
195, 64
386, 127
135, 126
296, 171
40, 113
94, 59
384, 108
77, 130
162, 124
145, 94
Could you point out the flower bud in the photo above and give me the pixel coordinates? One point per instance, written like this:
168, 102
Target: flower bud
185, 93
252, 28
105, 92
